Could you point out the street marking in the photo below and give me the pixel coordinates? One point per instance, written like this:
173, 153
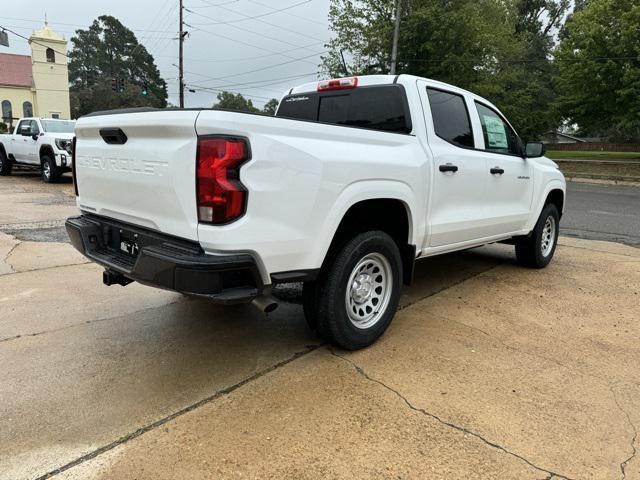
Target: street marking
602, 212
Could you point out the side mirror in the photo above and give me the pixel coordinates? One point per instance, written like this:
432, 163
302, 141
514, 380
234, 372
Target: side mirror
535, 150
35, 136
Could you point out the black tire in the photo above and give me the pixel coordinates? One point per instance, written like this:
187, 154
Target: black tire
378, 288
530, 251
310, 304
50, 171
5, 165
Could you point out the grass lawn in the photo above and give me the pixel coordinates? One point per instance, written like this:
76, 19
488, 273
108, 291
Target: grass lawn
634, 156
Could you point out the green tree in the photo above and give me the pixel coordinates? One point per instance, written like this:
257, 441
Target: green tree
271, 106
599, 64
108, 50
3, 127
496, 48
234, 101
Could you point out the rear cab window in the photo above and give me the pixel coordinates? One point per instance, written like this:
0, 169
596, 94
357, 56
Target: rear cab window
376, 107
451, 119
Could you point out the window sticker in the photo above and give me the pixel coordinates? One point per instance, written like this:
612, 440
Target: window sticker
496, 132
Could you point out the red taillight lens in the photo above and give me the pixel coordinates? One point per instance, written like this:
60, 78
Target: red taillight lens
73, 165
338, 84
220, 195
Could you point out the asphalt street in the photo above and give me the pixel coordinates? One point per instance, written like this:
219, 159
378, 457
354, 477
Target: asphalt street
602, 212
488, 371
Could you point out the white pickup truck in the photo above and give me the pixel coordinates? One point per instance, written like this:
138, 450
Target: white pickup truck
43, 143
351, 182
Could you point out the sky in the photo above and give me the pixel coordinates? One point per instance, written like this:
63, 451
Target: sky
259, 48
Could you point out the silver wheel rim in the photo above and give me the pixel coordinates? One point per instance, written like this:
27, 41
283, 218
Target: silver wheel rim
548, 236
46, 168
369, 290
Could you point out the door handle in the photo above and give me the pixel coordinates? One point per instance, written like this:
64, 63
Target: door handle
449, 167
497, 171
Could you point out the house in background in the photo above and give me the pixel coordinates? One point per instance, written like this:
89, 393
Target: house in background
36, 85
558, 137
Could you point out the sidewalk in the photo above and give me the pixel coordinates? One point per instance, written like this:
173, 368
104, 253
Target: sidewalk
514, 373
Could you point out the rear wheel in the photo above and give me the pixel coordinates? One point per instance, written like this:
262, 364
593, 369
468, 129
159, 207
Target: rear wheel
537, 250
357, 294
5, 165
50, 171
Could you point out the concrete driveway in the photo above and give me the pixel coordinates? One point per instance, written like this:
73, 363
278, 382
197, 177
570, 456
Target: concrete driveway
488, 371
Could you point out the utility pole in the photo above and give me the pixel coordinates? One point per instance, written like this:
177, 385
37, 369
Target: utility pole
181, 60
396, 36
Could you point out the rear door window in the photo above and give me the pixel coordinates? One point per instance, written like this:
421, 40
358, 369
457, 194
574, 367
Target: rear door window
451, 117
382, 108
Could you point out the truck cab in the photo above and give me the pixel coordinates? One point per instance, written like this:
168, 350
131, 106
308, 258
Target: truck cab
41, 143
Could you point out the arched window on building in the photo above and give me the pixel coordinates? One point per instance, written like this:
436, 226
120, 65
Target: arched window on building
51, 55
7, 114
27, 109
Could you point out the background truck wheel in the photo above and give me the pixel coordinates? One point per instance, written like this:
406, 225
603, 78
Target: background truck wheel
5, 165
50, 172
537, 250
357, 294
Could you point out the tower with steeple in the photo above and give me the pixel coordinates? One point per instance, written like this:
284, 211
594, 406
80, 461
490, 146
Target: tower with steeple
50, 73
36, 85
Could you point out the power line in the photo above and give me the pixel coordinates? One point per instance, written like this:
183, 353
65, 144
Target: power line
242, 42
260, 69
216, 5
247, 17
247, 30
33, 41
290, 14
226, 60
211, 89
38, 21
254, 17
277, 80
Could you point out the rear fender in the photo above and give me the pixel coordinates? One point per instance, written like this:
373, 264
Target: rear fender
367, 190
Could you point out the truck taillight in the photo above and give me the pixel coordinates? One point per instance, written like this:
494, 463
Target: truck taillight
338, 84
73, 165
221, 196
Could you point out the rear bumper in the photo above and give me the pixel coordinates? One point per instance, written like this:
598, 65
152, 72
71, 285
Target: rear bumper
163, 261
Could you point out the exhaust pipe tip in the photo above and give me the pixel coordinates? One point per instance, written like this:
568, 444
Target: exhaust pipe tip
265, 303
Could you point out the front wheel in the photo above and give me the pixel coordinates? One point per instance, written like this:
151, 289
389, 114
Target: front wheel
50, 171
357, 295
537, 250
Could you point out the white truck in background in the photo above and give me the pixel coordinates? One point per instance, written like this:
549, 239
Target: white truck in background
351, 182
43, 143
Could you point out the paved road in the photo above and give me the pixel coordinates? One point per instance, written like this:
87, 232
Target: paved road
488, 371
603, 212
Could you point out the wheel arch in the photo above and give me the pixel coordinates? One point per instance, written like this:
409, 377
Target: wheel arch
391, 215
555, 197
46, 150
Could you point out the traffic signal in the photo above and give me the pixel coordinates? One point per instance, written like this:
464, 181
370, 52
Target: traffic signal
145, 91
114, 85
120, 82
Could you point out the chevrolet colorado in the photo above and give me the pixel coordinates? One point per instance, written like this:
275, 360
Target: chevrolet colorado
351, 182
44, 143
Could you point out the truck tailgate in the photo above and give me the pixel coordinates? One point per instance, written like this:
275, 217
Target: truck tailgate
139, 168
